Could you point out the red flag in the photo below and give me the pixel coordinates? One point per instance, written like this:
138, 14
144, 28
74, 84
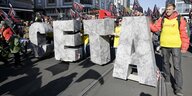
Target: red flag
15, 19
72, 13
3, 14
77, 6
11, 11
12, 14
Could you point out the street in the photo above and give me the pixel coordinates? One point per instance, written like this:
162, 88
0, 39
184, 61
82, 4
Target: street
48, 77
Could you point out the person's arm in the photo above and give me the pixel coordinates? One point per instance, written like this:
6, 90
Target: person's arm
184, 36
156, 27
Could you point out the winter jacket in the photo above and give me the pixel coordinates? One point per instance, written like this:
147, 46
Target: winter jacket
7, 33
182, 29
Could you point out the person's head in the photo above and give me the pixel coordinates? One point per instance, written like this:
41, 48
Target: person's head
170, 9
4, 24
138, 11
190, 14
118, 21
27, 23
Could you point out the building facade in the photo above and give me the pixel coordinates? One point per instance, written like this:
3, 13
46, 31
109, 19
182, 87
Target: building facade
52, 7
23, 8
182, 7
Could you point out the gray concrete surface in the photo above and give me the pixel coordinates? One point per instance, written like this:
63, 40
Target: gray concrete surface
49, 77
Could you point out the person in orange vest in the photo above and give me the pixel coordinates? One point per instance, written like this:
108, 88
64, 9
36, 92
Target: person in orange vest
117, 33
173, 42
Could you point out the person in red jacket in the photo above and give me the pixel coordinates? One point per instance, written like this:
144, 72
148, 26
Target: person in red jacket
173, 42
3, 45
6, 32
8, 36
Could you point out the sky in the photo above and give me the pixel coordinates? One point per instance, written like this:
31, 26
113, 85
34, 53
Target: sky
151, 3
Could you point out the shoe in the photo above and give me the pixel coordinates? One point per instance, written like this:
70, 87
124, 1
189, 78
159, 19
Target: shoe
179, 94
167, 80
168, 83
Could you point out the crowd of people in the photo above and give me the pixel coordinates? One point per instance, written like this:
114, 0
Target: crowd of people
11, 41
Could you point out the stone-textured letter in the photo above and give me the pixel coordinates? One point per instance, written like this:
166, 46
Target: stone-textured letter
67, 40
135, 47
37, 36
98, 31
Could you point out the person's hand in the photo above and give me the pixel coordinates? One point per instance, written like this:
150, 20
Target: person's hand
183, 51
158, 74
115, 34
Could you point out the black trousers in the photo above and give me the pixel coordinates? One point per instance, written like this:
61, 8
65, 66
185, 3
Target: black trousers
17, 59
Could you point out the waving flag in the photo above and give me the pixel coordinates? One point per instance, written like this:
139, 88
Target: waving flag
170, 1
188, 1
156, 13
12, 12
3, 15
72, 13
58, 13
112, 9
136, 4
149, 12
77, 6
145, 12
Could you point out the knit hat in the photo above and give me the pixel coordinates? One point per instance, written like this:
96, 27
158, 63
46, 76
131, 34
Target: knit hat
119, 18
140, 9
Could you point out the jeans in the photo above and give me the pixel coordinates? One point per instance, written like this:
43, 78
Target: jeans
86, 50
176, 58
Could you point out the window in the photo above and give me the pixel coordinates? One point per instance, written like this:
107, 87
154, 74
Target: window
39, 1
68, 0
51, 1
86, 1
179, 0
186, 8
3, 2
179, 7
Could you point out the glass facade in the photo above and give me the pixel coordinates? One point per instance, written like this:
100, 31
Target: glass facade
3, 2
51, 1
179, 0
86, 1
68, 0
182, 7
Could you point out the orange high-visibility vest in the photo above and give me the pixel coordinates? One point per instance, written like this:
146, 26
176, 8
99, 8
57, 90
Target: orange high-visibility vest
170, 34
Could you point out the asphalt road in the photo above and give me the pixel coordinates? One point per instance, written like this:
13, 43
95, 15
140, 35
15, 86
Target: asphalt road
48, 77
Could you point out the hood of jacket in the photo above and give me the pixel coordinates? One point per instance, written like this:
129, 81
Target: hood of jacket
174, 15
